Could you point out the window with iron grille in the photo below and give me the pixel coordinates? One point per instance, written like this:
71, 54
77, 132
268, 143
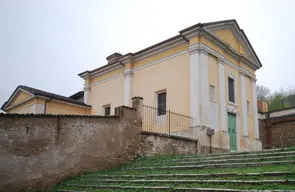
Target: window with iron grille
161, 103
107, 110
231, 90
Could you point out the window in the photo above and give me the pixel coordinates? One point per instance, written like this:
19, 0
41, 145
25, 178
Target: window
161, 103
231, 90
107, 110
248, 107
212, 93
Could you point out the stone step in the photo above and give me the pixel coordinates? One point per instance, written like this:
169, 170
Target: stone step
236, 160
63, 190
212, 165
120, 187
216, 155
227, 190
164, 188
190, 158
192, 181
194, 175
248, 152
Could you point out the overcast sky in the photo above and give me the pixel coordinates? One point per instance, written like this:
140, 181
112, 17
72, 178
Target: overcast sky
45, 44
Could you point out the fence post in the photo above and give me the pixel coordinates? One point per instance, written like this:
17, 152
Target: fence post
169, 121
137, 103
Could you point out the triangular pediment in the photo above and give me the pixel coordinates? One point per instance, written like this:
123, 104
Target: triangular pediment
17, 97
230, 32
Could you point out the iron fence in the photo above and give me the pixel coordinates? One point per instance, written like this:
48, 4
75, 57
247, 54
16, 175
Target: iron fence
162, 121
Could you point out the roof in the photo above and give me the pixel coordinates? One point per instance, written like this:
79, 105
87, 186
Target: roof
180, 35
38, 92
282, 109
77, 95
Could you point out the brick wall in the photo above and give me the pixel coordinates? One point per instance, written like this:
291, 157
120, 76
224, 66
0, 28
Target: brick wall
40, 150
277, 132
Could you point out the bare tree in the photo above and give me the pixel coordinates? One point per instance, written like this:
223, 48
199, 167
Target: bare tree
262, 92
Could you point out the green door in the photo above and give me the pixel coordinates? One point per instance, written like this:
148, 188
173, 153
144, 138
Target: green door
232, 131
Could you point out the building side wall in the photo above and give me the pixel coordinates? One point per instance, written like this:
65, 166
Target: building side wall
171, 75
54, 107
109, 92
26, 107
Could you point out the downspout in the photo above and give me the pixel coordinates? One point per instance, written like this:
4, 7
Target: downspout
45, 105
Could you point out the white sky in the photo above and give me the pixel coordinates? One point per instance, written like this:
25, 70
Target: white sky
45, 44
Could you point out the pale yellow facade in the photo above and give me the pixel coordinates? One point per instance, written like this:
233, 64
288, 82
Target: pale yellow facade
55, 107
106, 93
168, 69
27, 107
172, 76
23, 102
20, 97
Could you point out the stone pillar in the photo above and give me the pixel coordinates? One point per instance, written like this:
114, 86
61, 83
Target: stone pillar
222, 109
255, 112
194, 86
128, 75
87, 91
244, 105
137, 104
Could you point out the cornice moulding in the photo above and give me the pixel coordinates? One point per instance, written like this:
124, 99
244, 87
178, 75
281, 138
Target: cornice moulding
106, 70
126, 59
159, 49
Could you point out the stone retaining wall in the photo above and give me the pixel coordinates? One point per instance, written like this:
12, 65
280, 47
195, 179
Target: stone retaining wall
157, 143
37, 151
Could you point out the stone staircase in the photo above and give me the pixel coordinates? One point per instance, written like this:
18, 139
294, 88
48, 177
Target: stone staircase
269, 170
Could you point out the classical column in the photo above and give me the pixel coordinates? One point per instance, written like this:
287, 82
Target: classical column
244, 105
128, 75
255, 112
204, 88
194, 86
222, 96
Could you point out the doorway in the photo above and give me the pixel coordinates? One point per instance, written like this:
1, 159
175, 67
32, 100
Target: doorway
232, 131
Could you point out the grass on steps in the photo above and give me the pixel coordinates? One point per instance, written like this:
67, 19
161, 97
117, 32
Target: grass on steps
118, 172
147, 161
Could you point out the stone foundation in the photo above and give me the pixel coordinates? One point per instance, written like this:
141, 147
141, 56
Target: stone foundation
157, 143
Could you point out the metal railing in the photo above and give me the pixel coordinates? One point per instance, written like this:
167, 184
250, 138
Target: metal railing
162, 121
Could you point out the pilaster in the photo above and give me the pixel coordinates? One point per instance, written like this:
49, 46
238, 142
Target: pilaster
128, 78
87, 92
255, 112
222, 108
244, 105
